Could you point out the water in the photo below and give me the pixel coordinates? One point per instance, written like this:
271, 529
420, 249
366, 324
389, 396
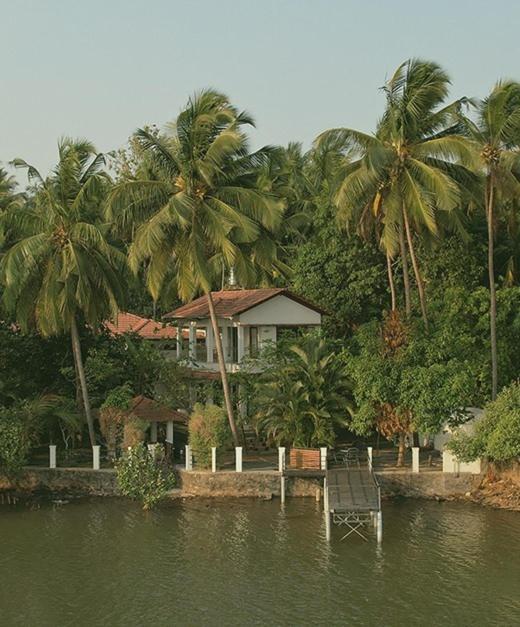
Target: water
105, 562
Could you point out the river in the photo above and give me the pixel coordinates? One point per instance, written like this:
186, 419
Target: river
246, 562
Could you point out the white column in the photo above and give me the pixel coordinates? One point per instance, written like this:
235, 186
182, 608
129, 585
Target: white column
281, 458
192, 340
415, 459
323, 457
379, 528
52, 455
210, 344
178, 345
213, 459
238, 458
369, 455
169, 431
95, 457
188, 457
241, 345
153, 432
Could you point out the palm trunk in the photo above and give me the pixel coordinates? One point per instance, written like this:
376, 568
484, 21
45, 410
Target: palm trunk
492, 290
406, 274
418, 278
76, 349
401, 449
223, 371
391, 281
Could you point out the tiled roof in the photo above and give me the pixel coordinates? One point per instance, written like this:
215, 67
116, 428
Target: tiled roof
152, 411
229, 303
145, 327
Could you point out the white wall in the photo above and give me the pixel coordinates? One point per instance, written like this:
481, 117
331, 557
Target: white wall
449, 462
280, 310
266, 334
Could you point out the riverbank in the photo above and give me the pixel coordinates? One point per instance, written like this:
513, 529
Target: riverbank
497, 488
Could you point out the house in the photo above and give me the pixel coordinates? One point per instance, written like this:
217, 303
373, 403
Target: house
146, 328
247, 318
154, 413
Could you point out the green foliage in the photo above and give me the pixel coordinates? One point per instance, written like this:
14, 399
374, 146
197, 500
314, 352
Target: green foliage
141, 477
497, 434
119, 398
303, 395
208, 426
15, 440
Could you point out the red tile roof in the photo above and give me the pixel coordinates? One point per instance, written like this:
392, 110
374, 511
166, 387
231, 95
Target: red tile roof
152, 411
145, 327
229, 303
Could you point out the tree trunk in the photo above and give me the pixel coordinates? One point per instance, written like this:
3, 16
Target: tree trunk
418, 278
223, 371
76, 349
401, 449
492, 289
406, 274
391, 281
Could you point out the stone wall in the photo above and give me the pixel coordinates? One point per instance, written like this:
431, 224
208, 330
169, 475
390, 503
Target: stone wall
430, 484
80, 481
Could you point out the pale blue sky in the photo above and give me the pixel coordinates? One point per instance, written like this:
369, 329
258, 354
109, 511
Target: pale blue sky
100, 69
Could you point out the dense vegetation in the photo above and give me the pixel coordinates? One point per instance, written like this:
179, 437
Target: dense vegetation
408, 237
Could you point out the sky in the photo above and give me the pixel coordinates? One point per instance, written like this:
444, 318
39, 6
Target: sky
101, 69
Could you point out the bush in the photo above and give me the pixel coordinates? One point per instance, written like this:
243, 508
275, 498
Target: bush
112, 416
140, 477
208, 426
14, 441
497, 435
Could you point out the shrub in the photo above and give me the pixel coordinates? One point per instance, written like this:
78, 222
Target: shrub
497, 435
112, 416
133, 432
141, 477
14, 442
208, 426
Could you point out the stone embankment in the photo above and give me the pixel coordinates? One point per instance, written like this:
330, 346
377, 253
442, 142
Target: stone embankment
498, 487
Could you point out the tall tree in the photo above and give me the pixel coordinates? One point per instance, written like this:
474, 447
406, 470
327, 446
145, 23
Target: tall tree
495, 136
404, 173
60, 269
202, 211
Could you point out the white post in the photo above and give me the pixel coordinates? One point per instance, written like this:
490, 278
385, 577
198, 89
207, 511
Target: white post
379, 531
415, 459
240, 343
282, 489
188, 458
238, 458
326, 509
169, 431
281, 458
52, 455
95, 457
153, 432
370, 456
210, 344
323, 458
213, 459
178, 345
192, 339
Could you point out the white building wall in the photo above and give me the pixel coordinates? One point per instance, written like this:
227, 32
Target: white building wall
280, 310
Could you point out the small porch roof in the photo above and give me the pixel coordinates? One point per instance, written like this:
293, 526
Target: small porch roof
151, 411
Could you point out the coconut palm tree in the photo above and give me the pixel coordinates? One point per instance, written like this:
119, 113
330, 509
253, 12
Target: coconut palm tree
202, 209
404, 174
495, 138
60, 269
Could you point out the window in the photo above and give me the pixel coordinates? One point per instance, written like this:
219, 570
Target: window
253, 341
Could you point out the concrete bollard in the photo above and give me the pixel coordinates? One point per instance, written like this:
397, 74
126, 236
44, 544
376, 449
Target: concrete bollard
415, 459
52, 455
96, 457
323, 458
370, 454
213, 459
188, 459
238, 458
281, 458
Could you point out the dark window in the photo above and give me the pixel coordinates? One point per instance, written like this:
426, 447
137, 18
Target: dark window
253, 341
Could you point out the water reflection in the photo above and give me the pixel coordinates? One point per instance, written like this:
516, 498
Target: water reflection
105, 562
